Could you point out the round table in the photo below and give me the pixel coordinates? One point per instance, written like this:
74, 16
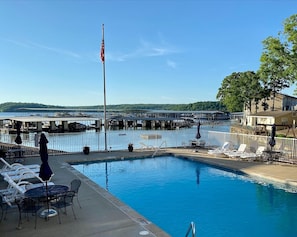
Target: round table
46, 193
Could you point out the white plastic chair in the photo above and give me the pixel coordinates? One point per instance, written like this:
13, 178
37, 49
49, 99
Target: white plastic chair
238, 152
253, 156
225, 148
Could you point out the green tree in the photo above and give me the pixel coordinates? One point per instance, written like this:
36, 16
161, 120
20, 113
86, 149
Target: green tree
229, 93
290, 43
239, 89
278, 69
273, 67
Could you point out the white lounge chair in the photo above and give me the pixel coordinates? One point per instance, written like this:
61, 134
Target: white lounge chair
13, 184
221, 150
253, 156
19, 171
236, 153
24, 175
145, 147
13, 192
12, 167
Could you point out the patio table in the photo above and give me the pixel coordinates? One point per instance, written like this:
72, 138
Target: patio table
45, 194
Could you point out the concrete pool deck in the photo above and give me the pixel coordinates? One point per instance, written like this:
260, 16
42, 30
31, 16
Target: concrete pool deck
104, 215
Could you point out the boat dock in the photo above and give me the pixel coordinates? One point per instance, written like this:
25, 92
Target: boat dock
48, 124
77, 123
53, 124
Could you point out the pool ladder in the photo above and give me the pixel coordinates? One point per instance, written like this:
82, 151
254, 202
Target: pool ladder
191, 229
158, 148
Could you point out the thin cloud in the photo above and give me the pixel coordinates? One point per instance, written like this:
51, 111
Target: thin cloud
171, 64
56, 50
145, 49
40, 46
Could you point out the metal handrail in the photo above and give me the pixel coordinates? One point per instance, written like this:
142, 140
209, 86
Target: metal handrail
191, 229
158, 148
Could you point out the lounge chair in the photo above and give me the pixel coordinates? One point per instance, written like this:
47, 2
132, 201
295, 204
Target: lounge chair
236, 153
13, 191
13, 167
144, 146
20, 170
23, 174
221, 150
253, 156
37, 181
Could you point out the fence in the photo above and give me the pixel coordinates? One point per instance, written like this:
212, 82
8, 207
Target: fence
287, 147
74, 142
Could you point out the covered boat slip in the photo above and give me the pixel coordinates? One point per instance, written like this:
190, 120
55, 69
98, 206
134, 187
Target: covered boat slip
76, 124
49, 124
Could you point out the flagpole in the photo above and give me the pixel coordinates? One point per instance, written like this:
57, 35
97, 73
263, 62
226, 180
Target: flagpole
104, 88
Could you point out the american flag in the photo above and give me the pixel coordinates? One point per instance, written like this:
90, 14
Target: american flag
102, 51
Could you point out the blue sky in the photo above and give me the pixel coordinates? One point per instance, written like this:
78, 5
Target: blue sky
159, 52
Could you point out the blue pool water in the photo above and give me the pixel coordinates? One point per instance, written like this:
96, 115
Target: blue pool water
171, 192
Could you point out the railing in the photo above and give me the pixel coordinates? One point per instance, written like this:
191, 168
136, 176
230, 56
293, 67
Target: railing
191, 229
158, 148
74, 142
286, 146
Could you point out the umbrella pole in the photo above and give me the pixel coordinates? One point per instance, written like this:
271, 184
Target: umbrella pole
47, 201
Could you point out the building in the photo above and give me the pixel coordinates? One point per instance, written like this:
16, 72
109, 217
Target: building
263, 121
281, 102
283, 116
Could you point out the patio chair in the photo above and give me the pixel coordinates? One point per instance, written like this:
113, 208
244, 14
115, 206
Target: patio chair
25, 175
144, 146
236, 153
4, 206
13, 167
28, 206
63, 201
220, 150
253, 156
74, 186
17, 189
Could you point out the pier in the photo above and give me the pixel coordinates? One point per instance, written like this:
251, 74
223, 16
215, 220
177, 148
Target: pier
49, 124
144, 120
53, 124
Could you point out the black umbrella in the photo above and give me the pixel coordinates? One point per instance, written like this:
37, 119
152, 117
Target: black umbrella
198, 136
45, 172
272, 138
18, 139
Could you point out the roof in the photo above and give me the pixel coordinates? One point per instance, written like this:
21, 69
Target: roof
48, 119
272, 113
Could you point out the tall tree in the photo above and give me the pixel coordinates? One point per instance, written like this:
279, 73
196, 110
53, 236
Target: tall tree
273, 67
239, 89
278, 69
290, 42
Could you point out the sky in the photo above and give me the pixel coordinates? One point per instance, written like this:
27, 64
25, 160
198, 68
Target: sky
156, 51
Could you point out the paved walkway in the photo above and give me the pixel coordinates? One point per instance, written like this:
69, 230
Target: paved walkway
105, 216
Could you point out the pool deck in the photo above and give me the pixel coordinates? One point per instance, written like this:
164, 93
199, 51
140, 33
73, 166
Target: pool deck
104, 215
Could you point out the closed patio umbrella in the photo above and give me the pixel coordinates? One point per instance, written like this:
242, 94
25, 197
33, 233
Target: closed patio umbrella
45, 172
272, 138
18, 139
198, 136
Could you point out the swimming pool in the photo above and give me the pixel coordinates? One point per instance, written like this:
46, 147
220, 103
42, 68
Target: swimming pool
171, 192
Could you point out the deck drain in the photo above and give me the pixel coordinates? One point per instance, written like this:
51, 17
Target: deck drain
144, 232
